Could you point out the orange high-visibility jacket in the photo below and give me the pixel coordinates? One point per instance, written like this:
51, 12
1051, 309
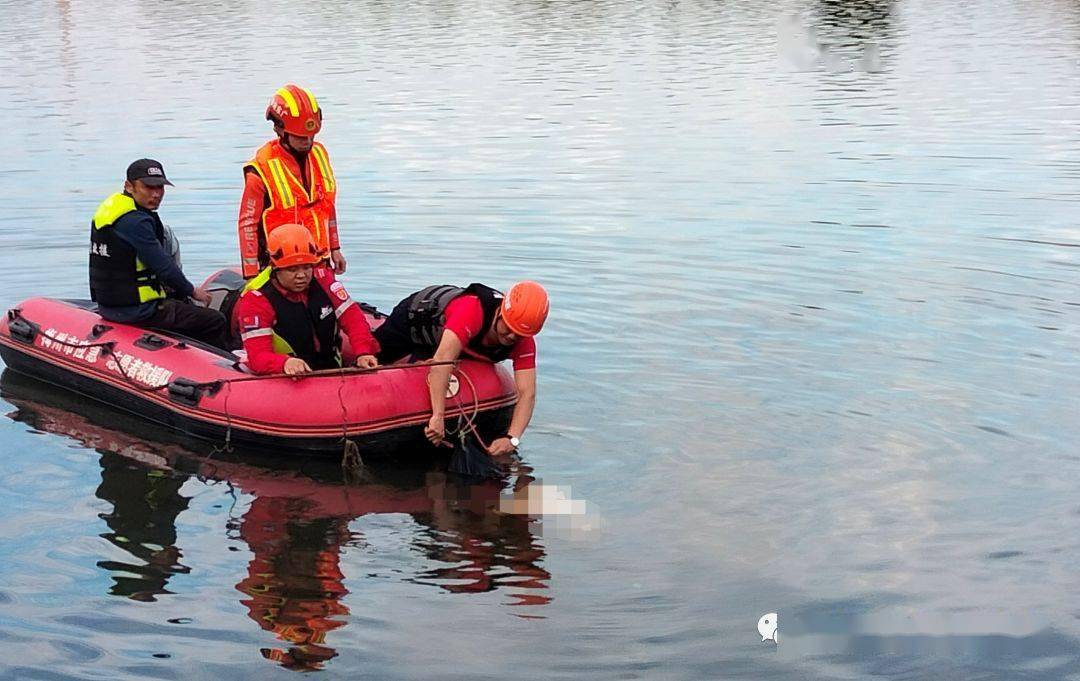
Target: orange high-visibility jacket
289, 201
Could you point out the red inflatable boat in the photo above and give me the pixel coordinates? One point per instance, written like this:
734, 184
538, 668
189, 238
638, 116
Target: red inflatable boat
202, 391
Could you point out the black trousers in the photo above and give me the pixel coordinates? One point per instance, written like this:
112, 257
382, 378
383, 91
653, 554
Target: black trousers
186, 319
394, 339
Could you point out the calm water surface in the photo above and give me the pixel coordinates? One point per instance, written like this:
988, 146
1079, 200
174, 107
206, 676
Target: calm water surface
813, 350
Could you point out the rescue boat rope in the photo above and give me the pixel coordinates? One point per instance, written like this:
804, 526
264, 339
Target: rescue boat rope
109, 348
227, 446
351, 461
350, 456
466, 419
341, 372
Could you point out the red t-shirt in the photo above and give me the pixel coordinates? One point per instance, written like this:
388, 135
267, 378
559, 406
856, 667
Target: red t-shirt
257, 318
465, 317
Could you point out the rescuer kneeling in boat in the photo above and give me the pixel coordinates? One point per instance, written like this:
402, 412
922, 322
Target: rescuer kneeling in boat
289, 181
130, 267
442, 322
289, 315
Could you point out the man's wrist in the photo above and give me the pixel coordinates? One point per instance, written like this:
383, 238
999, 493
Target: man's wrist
514, 440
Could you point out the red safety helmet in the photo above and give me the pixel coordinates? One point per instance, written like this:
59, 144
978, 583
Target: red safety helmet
290, 245
525, 307
295, 109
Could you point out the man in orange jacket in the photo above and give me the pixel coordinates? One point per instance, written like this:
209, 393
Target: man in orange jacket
289, 181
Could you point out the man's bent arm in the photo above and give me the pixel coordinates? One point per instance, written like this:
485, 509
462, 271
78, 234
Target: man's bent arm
439, 376
525, 381
138, 232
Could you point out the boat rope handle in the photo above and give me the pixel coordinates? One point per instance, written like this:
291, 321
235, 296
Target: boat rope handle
352, 463
17, 314
320, 373
466, 419
109, 348
226, 446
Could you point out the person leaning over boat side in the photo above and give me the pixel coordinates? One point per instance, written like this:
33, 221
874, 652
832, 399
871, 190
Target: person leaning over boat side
442, 322
130, 267
289, 181
289, 315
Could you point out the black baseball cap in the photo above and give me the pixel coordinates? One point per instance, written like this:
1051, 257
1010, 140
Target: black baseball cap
149, 171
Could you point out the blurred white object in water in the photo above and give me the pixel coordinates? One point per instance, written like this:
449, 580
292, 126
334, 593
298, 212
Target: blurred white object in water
538, 499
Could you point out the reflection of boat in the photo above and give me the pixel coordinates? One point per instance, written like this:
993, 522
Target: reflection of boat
296, 525
202, 391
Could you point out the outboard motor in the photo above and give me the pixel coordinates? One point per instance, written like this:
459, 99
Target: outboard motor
172, 247
225, 288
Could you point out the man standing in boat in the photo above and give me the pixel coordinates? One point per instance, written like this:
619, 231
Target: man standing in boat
130, 266
442, 322
289, 181
289, 315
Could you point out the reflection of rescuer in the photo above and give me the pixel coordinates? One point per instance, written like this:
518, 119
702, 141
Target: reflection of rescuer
130, 268
289, 181
442, 322
289, 315
294, 583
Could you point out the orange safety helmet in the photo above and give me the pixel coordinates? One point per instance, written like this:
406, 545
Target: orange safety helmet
525, 307
295, 109
290, 245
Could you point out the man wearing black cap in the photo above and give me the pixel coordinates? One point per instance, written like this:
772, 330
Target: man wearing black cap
130, 267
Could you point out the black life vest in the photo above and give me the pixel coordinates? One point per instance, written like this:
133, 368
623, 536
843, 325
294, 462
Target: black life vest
427, 318
306, 330
117, 277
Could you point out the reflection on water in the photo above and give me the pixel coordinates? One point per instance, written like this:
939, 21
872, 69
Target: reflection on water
855, 19
294, 583
813, 343
145, 502
483, 550
296, 525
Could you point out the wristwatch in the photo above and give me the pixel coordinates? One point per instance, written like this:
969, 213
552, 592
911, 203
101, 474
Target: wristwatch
514, 442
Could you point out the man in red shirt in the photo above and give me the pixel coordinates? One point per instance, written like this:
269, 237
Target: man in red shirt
442, 322
289, 315
289, 181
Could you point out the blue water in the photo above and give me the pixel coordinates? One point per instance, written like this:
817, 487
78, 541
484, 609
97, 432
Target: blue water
813, 347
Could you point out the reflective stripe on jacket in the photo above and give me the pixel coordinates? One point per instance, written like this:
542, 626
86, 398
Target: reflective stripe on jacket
290, 200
